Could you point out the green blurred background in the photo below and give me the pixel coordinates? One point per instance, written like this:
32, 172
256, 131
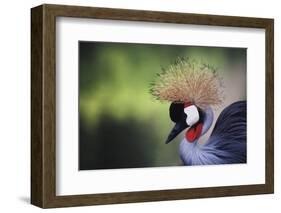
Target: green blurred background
120, 124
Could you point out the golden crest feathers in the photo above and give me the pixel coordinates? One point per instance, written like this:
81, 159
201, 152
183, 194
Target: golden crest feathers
188, 80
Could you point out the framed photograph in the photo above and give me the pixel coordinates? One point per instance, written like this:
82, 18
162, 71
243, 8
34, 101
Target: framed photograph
136, 106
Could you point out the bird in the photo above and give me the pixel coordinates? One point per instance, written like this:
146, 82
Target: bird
194, 87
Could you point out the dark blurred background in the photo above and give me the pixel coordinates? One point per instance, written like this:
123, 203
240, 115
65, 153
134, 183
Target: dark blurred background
120, 124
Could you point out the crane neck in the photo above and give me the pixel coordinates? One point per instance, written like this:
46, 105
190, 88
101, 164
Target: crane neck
207, 120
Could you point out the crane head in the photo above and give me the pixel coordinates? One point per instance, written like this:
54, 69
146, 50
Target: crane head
185, 115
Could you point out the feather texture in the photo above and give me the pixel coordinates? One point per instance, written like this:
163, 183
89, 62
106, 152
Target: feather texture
189, 80
227, 143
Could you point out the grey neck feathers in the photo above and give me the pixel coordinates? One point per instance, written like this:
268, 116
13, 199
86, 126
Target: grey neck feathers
208, 120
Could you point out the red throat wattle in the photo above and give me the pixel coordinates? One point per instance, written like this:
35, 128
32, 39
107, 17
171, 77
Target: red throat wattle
194, 132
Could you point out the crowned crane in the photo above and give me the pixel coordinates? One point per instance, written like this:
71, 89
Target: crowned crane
193, 88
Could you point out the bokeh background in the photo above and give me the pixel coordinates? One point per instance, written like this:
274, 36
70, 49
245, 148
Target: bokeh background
120, 124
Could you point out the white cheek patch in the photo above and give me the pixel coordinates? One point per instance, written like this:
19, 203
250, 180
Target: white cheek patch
192, 115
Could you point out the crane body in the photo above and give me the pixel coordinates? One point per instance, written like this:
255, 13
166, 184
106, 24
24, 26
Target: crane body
226, 144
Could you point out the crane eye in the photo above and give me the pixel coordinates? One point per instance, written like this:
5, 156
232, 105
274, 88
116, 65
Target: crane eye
176, 112
192, 115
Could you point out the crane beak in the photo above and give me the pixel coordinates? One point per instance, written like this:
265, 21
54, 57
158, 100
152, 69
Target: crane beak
178, 128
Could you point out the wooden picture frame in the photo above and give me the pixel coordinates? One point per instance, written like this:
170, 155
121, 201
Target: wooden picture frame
43, 105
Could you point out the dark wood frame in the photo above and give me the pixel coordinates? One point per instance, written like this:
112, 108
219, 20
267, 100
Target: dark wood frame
43, 105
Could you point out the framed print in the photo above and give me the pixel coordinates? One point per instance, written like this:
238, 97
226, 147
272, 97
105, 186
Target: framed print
135, 106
